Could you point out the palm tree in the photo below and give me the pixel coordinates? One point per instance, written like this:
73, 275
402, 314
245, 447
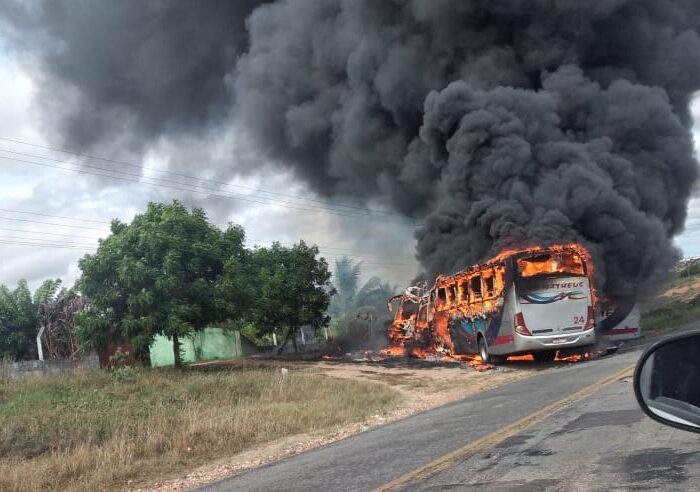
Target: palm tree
374, 294
352, 304
346, 278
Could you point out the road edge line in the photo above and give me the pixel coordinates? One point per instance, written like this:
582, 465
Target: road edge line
445, 461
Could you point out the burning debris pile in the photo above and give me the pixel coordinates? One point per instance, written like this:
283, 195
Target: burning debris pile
395, 354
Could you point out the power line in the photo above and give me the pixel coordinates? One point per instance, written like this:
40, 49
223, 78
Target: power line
325, 205
52, 241
49, 215
187, 176
51, 223
19, 241
353, 254
184, 187
33, 241
46, 245
24, 231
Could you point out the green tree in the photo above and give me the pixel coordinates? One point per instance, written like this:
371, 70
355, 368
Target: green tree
346, 280
48, 291
290, 290
157, 275
18, 317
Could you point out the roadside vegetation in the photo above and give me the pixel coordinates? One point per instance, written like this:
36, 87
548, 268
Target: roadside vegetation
99, 430
171, 272
358, 312
676, 306
20, 313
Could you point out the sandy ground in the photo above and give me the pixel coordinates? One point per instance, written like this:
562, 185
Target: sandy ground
424, 385
681, 289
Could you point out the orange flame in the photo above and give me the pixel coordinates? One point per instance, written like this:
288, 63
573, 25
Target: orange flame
573, 357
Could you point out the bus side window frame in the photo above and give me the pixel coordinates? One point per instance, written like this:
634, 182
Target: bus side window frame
465, 290
500, 275
452, 294
487, 275
473, 297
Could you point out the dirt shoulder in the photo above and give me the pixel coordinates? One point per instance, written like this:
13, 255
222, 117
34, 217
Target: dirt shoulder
674, 308
424, 385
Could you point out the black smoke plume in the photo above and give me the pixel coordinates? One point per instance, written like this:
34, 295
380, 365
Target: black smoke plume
501, 123
497, 123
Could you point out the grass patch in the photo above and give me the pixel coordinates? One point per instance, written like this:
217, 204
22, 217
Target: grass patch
97, 430
671, 315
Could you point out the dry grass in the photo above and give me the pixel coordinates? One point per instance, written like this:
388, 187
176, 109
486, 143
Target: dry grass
423, 384
671, 315
676, 306
97, 430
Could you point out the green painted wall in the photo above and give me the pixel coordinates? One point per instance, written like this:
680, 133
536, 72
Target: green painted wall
211, 343
215, 343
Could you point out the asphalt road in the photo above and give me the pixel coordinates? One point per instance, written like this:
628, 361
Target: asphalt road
600, 441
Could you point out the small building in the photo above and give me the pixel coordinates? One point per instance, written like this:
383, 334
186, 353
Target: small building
208, 344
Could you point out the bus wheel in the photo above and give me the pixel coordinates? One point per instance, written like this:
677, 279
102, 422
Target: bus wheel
487, 358
547, 356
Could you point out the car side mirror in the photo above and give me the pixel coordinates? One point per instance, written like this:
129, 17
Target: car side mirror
667, 381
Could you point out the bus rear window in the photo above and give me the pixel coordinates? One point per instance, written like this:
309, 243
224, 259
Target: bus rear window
567, 263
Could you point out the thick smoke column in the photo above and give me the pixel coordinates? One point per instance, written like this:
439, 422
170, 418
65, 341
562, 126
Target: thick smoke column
497, 123
502, 123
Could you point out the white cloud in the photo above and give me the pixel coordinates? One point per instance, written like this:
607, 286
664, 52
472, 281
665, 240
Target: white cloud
689, 240
43, 189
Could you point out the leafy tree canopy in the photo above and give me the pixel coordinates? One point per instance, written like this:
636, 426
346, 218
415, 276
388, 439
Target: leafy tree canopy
291, 289
171, 272
158, 275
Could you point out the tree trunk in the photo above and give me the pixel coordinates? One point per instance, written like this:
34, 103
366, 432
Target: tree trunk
176, 351
286, 339
294, 341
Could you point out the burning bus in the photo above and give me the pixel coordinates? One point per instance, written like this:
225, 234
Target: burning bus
535, 300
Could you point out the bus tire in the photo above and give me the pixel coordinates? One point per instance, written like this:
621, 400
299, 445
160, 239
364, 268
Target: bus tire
486, 357
546, 356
